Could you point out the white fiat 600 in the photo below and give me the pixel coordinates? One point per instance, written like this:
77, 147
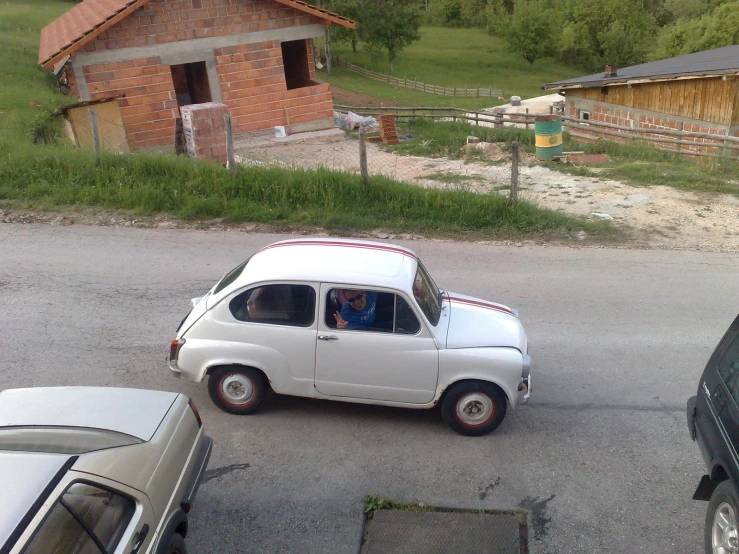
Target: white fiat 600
355, 321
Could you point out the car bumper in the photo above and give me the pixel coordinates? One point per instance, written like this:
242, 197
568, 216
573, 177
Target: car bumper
691, 416
197, 475
524, 390
173, 369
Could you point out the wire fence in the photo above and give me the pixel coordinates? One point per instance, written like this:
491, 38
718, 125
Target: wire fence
417, 85
479, 167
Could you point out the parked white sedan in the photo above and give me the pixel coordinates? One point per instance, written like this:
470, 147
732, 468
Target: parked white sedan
355, 321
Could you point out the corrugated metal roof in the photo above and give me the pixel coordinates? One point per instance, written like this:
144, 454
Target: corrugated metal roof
720, 61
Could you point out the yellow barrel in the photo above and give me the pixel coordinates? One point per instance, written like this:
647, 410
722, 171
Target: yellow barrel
548, 137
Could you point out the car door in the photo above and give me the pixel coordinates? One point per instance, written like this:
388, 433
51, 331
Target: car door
718, 399
92, 516
397, 363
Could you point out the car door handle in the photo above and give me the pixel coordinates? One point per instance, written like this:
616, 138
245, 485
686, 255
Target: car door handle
328, 337
139, 541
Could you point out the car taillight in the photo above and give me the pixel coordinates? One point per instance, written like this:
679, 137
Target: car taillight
195, 411
174, 348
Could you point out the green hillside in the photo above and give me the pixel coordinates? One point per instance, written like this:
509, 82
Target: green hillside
454, 58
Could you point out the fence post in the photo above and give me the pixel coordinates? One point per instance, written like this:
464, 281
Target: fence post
95, 136
499, 121
477, 119
230, 158
679, 137
514, 174
478, 92
454, 112
527, 119
363, 154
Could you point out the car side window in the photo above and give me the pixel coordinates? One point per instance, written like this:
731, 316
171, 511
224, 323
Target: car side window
359, 310
406, 322
276, 304
728, 367
86, 520
368, 310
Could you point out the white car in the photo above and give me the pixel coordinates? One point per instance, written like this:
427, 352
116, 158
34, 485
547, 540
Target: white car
355, 321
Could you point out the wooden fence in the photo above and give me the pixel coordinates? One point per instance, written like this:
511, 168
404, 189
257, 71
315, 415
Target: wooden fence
423, 87
678, 140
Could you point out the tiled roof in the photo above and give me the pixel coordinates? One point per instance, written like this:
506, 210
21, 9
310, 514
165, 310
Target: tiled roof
89, 18
79, 25
719, 61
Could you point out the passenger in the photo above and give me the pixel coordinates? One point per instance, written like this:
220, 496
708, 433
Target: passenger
358, 312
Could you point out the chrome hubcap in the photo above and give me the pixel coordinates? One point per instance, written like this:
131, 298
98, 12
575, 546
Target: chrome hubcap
474, 408
237, 388
724, 538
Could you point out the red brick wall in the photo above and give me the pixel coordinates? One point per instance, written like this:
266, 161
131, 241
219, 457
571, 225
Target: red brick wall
149, 108
177, 20
252, 81
628, 117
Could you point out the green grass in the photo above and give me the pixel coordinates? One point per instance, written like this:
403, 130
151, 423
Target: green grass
46, 176
467, 58
637, 162
27, 96
447, 139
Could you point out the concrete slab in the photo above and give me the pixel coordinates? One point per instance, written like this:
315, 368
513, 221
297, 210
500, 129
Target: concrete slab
405, 532
267, 138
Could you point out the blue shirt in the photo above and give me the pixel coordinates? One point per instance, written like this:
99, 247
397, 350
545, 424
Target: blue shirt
359, 319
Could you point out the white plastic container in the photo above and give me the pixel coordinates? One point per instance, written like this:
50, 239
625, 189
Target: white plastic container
280, 131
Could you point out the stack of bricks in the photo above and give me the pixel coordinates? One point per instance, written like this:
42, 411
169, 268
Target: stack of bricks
204, 127
387, 129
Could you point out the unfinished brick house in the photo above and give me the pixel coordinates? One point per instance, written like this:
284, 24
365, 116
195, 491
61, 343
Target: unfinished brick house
255, 56
696, 93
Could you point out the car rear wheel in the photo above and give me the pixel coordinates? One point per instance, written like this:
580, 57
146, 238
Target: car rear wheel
722, 532
237, 390
474, 408
176, 545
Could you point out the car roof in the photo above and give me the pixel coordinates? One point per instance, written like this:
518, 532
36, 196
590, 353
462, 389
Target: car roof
135, 412
24, 478
348, 261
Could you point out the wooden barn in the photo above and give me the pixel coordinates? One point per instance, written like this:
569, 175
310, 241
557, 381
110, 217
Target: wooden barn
696, 93
154, 56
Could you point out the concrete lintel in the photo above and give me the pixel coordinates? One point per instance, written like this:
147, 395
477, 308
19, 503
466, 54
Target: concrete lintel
172, 50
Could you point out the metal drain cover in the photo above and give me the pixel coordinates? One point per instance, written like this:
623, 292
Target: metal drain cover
439, 532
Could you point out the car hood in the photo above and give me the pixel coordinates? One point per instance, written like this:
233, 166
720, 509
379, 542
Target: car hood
474, 322
135, 412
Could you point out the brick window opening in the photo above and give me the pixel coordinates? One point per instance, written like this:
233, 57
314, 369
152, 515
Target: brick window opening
190, 83
295, 62
584, 116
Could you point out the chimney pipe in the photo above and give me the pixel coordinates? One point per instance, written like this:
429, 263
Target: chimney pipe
611, 71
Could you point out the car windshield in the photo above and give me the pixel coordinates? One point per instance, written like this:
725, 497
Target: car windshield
230, 277
62, 440
427, 295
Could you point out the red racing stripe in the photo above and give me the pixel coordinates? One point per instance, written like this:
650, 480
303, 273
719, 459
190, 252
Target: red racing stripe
380, 247
481, 305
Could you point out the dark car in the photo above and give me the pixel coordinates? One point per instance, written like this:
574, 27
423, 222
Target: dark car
713, 421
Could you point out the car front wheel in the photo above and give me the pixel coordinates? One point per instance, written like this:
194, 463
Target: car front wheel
474, 408
722, 533
237, 390
176, 545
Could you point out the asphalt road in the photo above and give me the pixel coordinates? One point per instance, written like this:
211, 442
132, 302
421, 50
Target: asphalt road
600, 455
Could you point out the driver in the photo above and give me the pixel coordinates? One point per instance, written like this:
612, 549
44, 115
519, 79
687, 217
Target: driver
358, 312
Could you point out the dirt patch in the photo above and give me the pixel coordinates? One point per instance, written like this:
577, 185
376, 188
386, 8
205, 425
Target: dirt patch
349, 98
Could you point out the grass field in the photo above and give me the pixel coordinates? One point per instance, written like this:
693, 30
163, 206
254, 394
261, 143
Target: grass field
40, 170
27, 96
454, 58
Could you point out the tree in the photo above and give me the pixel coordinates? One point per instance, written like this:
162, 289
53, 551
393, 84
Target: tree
713, 30
595, 31
529, 30
389, 25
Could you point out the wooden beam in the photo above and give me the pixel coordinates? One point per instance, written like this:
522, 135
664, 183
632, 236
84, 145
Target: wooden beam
94, 33
318, 12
